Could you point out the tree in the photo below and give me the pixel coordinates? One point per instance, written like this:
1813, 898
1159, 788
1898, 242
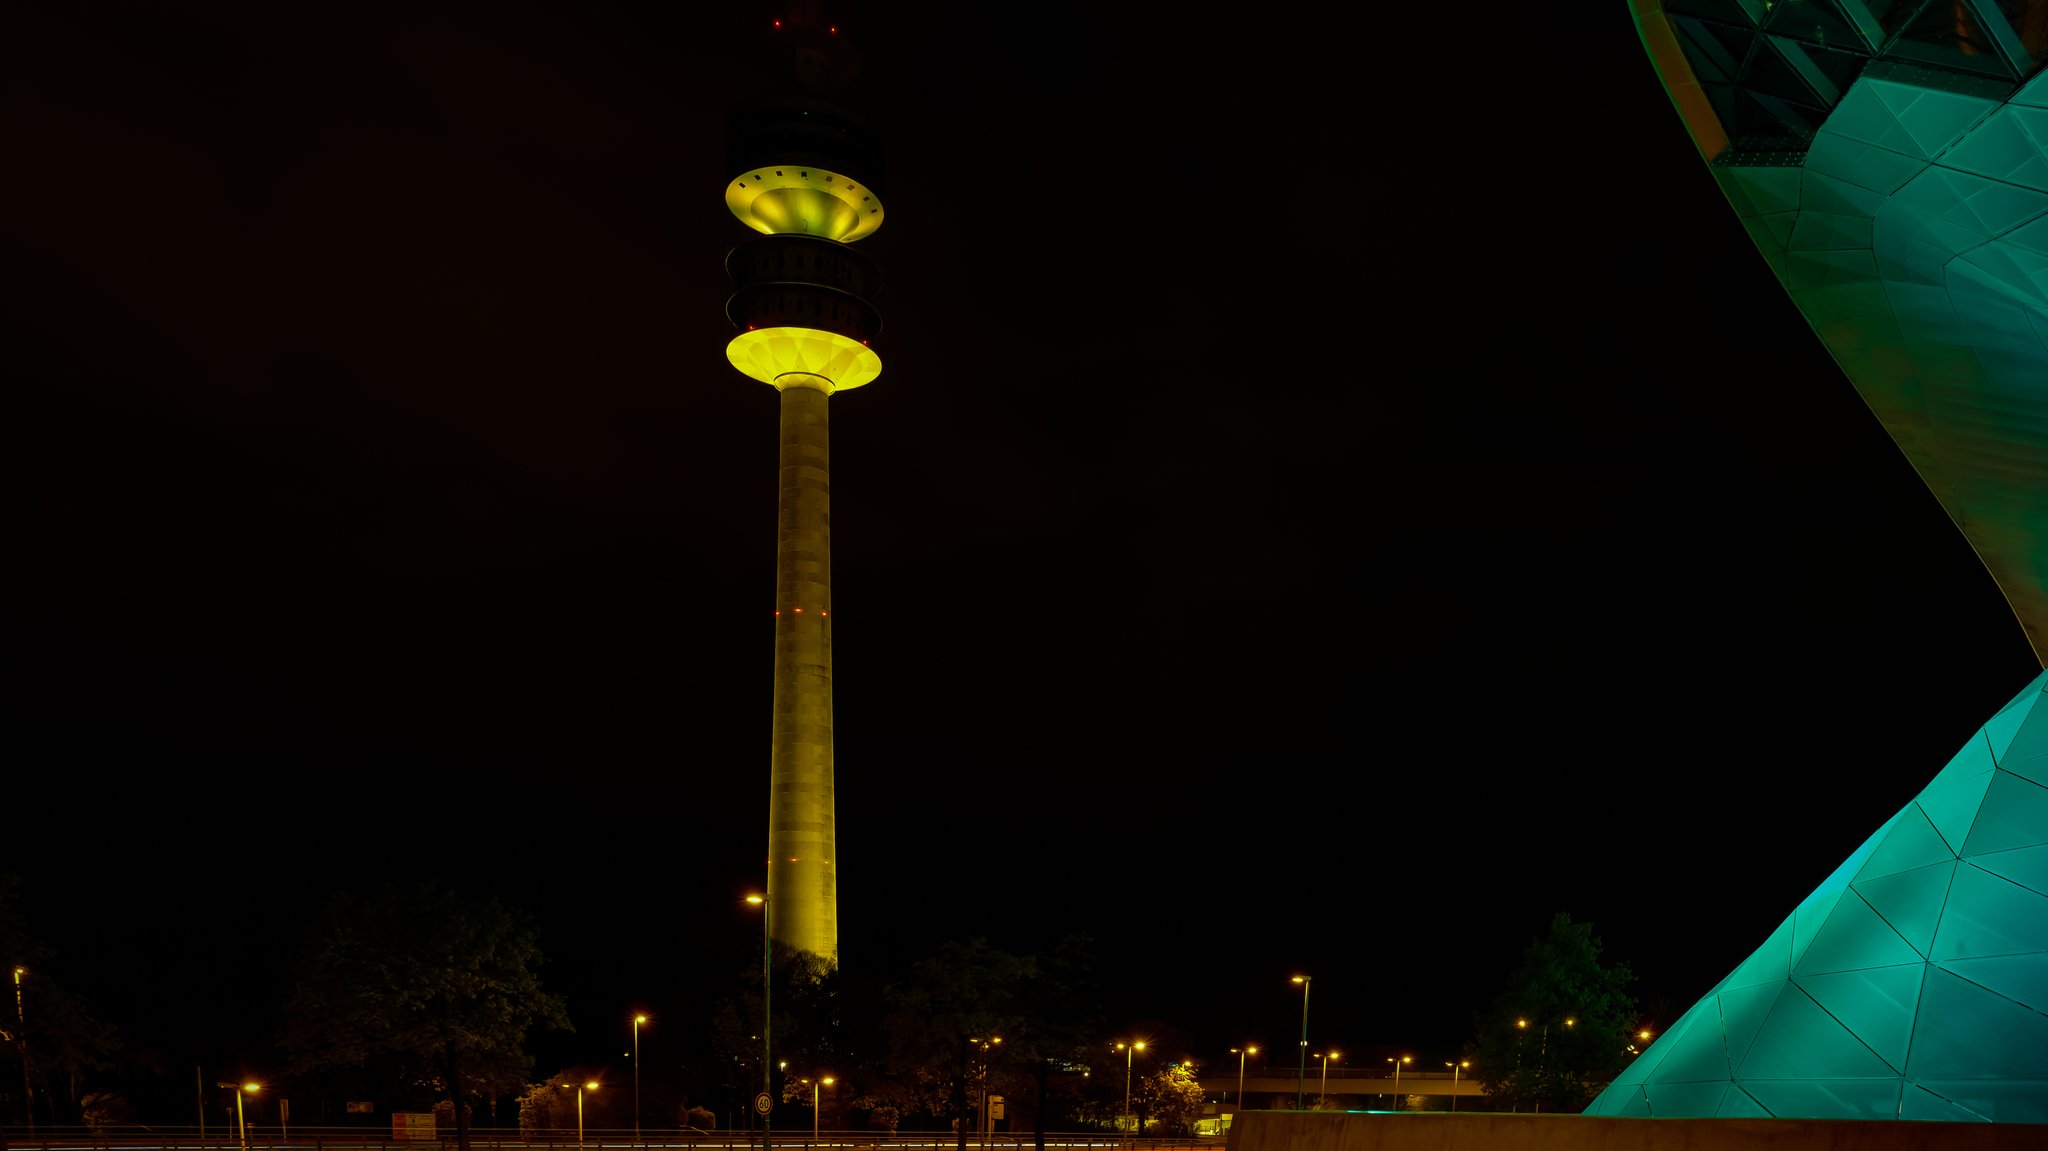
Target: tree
55, 1039
804, 1022
965, 993
1560, 1030
449, 987
1170, 1097
1059, 1025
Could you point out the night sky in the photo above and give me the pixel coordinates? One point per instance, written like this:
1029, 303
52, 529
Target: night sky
1341, 489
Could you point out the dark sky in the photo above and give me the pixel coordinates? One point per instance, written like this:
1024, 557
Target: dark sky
1341, 489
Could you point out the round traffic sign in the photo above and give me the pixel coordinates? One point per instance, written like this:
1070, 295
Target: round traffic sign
763, 1104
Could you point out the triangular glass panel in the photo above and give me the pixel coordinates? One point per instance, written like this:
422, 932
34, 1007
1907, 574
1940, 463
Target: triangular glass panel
1771, 963
2026, 866
1700, 1055
1909, 842
1744, 1012
1685, 1099
1632, 1104
1876, 1006
2007, 723
1911, 902
1854, 937
1952, 807
2030, 742
2014, 814
1973, 759
1997, 148
1816, 22
1947, 34
1800, 1041
1716, 51
1924, 1106
1828, 1098
1769, 73
1987, 915
1966, 1032
1997, 1100
2020, 978
1739, 1104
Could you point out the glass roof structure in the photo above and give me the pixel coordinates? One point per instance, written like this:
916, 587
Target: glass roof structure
1891, 162
1912, 984
1890, 159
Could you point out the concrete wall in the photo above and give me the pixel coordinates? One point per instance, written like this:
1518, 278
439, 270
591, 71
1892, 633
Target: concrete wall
1355, 1131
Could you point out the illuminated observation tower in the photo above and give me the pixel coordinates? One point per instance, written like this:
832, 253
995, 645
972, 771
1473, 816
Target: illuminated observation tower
802, 173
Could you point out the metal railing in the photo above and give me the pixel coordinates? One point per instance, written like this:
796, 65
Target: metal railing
501, 1139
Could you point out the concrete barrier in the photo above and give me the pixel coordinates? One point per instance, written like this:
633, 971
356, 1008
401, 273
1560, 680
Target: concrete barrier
1432, 1131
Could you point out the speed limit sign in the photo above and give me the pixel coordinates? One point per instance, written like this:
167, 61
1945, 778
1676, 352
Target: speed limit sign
763, 1104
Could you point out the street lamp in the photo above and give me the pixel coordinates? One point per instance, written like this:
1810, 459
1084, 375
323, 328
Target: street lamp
580, 1089
766, 1104
1397, 1076
1301, 1068
987, 1125
815, 1084
28, 1091
637, 1021
1241, 1053
1455, 1068
1542, 1054
1324, 1090
1129, 1049
241, 1126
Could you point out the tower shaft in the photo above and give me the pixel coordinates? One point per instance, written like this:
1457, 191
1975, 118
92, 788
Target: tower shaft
802, 848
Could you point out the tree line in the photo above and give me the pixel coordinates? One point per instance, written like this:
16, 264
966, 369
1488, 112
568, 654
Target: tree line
417, 997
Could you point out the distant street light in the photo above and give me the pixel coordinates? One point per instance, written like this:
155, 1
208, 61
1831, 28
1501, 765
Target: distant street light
987, 1125
1129, 1049
28, 1091
580, 1089
1241, 1053
826, 1081
767, 1104
1301, 1068
241, 1125
1323, 1092
1455, 1068
637, 1021
1397, 1076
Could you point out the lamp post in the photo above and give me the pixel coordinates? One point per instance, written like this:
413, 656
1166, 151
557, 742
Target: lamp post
1542, 1054
1129, 1049
1323, 1091
815, 1084
1301, 1068
241, 1125
580, 1089
987, 1125
1241, 1053
766, 1104
1455, 1068
28, 1091
637, 1021
1397, 1076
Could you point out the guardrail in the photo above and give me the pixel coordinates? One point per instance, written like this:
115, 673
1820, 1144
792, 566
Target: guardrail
494, 1139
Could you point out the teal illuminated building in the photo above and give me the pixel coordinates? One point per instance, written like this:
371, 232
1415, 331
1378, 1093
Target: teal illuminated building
1891, 162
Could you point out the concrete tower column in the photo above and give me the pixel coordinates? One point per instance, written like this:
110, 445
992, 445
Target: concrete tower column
802, 863
802, 173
